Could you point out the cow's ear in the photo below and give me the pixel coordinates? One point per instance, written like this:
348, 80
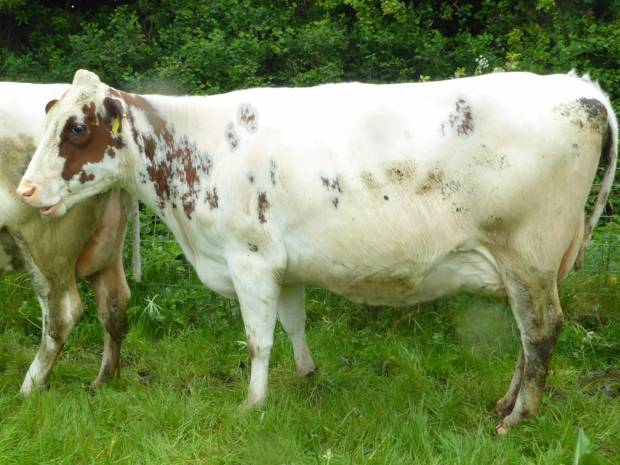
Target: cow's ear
113, 107
114, 113
49, 105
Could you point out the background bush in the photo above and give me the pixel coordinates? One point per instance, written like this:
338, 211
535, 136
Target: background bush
207, 47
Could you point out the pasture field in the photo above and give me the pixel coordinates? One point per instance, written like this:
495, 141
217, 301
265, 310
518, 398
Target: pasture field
408, 386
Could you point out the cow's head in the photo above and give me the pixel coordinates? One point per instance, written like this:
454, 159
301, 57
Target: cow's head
82, 150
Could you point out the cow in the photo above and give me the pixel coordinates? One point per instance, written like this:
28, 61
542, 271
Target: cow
385, 194
86, 243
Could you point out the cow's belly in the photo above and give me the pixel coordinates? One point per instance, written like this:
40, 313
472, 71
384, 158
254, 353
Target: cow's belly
408, 281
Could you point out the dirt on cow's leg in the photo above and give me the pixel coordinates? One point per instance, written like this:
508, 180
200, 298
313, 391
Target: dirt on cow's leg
112, 295
536, 307
61, 307
292, 315
505, 405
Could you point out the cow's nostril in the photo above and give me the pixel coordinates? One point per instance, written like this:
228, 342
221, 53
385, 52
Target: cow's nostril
27, 190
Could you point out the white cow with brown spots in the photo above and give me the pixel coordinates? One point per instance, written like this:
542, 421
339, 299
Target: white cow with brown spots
86, 243
386, 194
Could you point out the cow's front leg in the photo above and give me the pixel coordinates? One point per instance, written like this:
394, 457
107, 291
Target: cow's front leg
112, 294
61, 308
258, 292
292, 315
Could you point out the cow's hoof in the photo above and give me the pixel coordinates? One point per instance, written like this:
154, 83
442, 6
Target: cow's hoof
307, 373
502, 428
251, 405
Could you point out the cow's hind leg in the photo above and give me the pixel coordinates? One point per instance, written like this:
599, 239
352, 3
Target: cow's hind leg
536, 307
292, 315
505, 405
112, 295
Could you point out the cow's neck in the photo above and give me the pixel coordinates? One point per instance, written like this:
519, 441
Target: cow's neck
171, 161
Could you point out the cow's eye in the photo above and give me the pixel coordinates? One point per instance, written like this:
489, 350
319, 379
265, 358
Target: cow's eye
78, 129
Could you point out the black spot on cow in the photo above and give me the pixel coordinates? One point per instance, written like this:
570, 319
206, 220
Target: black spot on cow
335, 202
211, 198
272, 172
247, 116
399, 171
385, 197
461, 119
230, 134
585, 113
593, 108
253, 247
251, 178
263, 205
332, 184
432, 181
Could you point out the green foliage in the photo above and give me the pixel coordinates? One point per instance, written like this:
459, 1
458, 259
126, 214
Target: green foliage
208, 47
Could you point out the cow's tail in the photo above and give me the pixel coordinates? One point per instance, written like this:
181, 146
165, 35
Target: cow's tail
136, 258
610, 151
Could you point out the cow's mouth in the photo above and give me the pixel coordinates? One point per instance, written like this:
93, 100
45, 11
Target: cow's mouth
56, 210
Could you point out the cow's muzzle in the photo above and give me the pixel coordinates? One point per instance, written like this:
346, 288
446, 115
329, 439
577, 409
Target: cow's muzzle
30, 192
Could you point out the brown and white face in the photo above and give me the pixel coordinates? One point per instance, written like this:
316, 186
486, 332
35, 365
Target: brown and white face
81, 153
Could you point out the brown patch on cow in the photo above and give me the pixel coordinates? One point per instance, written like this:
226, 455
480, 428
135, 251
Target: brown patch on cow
272, 172
263, 205
49, 105
247, 117
86, 177
460, 119
177, 172
231, 136
211, 198
90, 146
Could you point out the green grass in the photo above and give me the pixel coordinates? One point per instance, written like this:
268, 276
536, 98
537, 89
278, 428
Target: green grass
394, 386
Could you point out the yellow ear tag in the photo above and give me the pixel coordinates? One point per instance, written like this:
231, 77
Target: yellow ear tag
115, 125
